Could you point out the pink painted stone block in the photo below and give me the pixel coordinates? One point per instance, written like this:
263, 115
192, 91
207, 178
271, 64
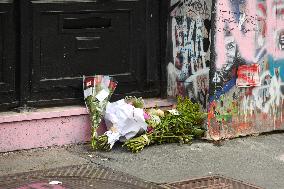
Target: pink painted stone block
44, 132
43, 113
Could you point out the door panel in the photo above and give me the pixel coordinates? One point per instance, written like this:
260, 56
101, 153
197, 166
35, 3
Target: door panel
75, 39
46, 46
66, 49
7, 54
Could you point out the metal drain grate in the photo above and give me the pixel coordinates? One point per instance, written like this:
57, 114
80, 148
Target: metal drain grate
212, 182
75, 177
95, 177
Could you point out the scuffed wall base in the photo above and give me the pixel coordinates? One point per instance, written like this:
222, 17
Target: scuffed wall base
44, 132
243, 125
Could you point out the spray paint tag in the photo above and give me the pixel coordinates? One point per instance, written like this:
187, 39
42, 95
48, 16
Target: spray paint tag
103, 94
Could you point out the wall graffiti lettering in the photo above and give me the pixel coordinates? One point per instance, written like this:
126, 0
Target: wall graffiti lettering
188, 74
197, 8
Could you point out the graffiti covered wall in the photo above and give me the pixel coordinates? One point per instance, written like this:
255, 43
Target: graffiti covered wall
246, 83
189, 28
239, 78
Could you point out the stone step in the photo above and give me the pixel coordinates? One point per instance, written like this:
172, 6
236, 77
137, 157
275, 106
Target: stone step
52, 126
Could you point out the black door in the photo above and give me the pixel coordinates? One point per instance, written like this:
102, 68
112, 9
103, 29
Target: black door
59, 41
8, 51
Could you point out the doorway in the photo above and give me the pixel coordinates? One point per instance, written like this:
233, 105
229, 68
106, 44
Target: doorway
46, 46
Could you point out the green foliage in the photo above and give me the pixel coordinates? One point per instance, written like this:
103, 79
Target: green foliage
136, 102
101, 143
190, 113
183, 126
174, 128
137, 144
96, 113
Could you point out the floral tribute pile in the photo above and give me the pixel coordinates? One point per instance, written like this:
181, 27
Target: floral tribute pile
129, 122
178, 125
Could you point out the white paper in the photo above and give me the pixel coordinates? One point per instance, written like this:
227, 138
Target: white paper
102, 95
174, 112
112, 137
54, 182
127, 119
88, 92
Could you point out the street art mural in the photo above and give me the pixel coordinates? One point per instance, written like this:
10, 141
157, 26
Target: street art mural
233, 65
247, 76
188, 72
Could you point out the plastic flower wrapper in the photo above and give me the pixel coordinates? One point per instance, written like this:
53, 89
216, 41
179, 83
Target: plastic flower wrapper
97, 93
123, 122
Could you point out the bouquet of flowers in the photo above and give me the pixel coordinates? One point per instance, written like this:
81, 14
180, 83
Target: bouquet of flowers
124, 120
98, 90
178, 125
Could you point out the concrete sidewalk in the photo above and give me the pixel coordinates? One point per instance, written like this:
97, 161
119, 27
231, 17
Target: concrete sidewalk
256, 160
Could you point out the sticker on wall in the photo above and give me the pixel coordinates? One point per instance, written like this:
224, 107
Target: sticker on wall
248, 75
